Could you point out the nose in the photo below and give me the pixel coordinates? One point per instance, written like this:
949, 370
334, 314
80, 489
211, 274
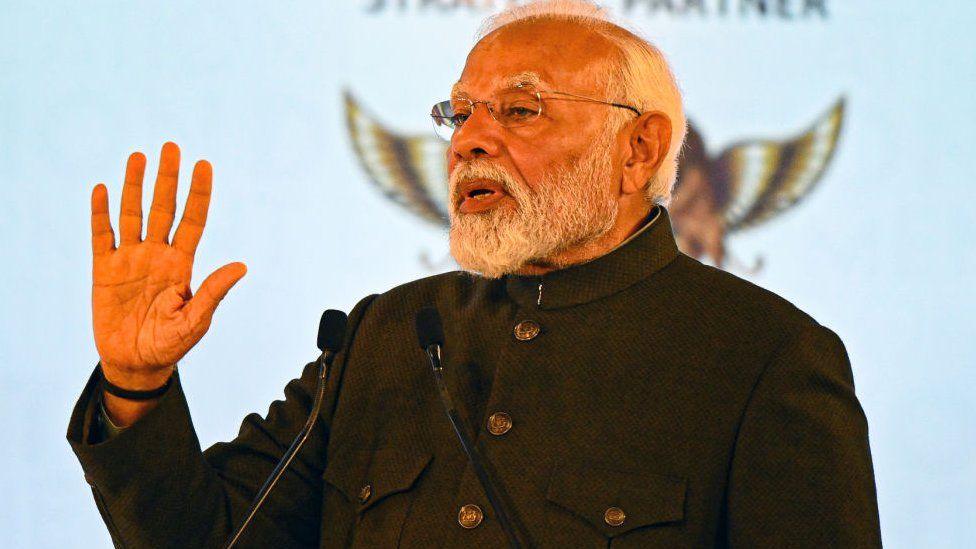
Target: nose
479, 136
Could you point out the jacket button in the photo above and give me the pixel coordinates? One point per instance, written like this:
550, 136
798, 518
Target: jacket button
527, 330
614, 516
470, 516
499, 423
364, 493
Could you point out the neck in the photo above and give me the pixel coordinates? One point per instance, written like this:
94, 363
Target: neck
589, 251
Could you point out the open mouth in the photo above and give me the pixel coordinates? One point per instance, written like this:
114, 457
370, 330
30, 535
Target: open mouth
479, 195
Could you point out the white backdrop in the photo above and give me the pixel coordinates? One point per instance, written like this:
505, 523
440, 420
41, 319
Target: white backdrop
881, 251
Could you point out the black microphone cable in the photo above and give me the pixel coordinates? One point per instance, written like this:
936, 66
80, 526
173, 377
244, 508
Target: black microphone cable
430, 334
332, 332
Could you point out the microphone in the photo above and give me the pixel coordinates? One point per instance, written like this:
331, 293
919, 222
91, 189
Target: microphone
430, 331
430, 335
332, 332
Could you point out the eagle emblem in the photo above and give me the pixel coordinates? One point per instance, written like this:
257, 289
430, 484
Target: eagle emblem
744, 186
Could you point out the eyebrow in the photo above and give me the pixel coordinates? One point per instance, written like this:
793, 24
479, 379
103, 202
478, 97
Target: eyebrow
523, 78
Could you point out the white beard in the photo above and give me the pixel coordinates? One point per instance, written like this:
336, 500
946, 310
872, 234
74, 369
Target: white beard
571, 207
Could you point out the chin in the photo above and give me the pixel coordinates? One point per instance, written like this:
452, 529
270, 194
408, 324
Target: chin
478, 263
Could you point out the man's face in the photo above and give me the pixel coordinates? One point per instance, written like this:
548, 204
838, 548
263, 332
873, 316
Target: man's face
520, 195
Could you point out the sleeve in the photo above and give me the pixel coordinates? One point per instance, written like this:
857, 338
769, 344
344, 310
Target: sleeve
801, 473
154, 487
102, 428
107, 428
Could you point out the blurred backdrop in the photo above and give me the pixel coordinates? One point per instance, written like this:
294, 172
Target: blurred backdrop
832, 153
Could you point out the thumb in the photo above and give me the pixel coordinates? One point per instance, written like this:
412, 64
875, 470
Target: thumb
213, 289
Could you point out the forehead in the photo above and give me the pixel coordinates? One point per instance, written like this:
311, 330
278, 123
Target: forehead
554, 54
510, 81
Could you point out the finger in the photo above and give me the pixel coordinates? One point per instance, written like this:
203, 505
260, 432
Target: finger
164, 195
200, 309
103, 239
130, 215
195, 213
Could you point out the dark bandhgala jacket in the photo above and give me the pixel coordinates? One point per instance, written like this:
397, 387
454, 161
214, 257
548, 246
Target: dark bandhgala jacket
642, 399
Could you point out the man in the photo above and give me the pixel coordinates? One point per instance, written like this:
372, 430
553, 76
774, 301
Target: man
620, 392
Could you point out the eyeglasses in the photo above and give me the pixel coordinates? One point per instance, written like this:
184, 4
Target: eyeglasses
513, 107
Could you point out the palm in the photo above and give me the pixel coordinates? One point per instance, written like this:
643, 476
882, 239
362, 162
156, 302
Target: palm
145, 316
137, 297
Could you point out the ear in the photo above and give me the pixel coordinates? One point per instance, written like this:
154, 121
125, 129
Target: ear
650, 139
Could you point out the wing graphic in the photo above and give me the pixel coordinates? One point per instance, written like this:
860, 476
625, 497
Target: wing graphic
410, 170
762, 179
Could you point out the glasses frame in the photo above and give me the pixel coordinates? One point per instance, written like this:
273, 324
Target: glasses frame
449, 121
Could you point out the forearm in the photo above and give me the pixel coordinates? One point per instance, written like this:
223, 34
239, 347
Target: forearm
153, 475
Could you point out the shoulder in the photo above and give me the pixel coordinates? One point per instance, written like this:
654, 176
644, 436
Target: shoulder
775, 339
451, 281
446, 291
717, 296
426, 291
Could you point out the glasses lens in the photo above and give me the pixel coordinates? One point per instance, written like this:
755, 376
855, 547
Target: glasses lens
443, 116
518, 107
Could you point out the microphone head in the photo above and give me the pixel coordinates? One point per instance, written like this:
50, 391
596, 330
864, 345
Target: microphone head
429, 328
332, 330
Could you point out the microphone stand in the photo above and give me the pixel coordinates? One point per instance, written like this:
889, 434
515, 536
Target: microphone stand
434, 354
325, 360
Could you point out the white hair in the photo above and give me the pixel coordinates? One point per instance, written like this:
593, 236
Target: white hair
640, 77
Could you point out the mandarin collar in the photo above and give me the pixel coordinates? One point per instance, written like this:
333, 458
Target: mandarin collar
641, 255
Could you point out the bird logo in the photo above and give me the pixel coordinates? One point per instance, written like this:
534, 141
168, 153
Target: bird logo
744, 186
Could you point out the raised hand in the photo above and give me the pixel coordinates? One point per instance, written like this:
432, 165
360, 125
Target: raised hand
145, 316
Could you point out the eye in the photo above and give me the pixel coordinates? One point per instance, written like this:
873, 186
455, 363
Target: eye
520, 112
459, 113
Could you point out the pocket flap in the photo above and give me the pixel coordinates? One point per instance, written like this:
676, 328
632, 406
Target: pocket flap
369, 476
615, 502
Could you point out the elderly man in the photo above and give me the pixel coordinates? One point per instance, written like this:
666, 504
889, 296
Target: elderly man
619, 392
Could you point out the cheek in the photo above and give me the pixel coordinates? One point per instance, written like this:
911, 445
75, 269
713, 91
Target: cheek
559, 167
451, 160
535, 164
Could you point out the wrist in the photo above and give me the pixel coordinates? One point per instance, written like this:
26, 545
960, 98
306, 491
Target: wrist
123, 412
136, 379
130, 394
126, 404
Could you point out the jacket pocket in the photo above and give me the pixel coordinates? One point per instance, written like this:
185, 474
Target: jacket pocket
621, 506
367, 495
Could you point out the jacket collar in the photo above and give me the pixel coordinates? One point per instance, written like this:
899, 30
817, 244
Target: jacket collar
647, 251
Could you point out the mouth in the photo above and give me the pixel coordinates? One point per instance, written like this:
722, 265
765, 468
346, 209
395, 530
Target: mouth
479, 195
